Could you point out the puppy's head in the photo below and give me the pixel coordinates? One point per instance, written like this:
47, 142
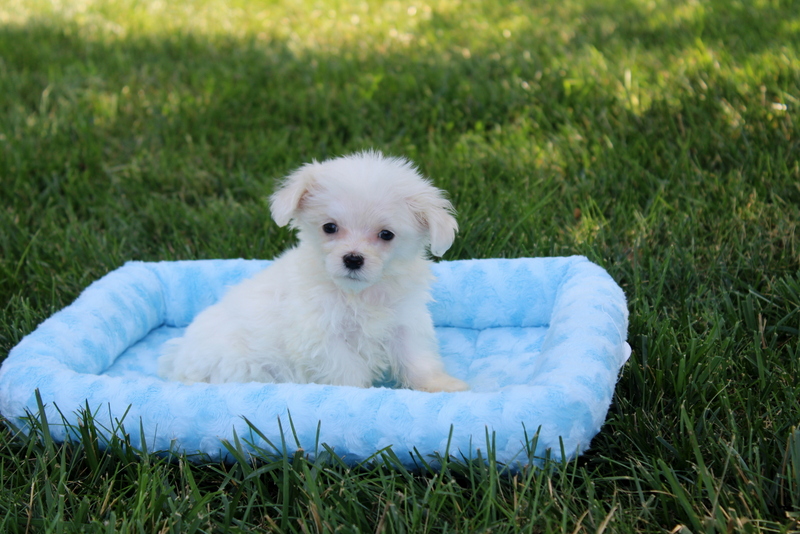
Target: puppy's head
367, 215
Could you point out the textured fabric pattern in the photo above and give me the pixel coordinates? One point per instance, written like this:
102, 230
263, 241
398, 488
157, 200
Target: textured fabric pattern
540, 341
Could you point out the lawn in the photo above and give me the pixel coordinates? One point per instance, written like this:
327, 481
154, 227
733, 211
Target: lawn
657, 137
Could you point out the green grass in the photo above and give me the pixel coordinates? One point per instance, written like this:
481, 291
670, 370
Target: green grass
659, 138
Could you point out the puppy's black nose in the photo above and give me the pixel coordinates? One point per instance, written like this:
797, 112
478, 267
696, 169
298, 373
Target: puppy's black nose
353, 261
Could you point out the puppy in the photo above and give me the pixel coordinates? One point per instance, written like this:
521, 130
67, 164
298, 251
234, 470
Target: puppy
347, 305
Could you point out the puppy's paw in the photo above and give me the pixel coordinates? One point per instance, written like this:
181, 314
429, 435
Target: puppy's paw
443, 382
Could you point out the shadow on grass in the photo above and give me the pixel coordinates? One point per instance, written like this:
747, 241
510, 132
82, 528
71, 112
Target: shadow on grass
128, 140
258, 105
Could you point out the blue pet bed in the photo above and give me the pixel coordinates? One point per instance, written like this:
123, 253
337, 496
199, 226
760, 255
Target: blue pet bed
540, 342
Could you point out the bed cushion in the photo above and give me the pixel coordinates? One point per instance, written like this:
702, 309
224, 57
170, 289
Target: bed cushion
540, 341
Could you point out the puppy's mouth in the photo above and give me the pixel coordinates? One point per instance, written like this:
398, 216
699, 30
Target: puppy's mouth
354, 264
352, 271
353, 280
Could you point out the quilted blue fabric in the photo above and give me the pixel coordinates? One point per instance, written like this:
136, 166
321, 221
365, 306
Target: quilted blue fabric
540, 341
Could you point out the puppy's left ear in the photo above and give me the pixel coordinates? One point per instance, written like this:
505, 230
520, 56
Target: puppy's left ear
436, 214
288, 199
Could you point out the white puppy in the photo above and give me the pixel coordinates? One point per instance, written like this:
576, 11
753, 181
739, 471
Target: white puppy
346, 305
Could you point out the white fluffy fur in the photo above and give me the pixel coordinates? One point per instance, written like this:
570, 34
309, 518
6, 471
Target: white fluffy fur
310, 318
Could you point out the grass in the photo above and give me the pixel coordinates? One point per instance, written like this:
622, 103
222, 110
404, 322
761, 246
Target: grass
658, 138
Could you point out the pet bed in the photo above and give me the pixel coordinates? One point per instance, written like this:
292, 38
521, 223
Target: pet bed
540, 341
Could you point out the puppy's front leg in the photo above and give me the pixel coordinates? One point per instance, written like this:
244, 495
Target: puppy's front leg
419, 365
341, 366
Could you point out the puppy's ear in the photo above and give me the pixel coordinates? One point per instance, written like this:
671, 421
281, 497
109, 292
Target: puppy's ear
288, 199
436, 215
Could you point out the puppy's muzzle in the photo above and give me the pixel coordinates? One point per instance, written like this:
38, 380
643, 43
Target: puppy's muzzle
353, 261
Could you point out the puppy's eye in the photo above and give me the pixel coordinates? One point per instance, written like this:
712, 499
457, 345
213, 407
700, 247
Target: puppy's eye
330, 228
386, 235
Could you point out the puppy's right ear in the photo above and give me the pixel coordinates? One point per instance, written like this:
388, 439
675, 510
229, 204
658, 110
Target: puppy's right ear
288, 199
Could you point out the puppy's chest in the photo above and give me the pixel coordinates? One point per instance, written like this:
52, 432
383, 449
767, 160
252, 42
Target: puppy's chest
365, 329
